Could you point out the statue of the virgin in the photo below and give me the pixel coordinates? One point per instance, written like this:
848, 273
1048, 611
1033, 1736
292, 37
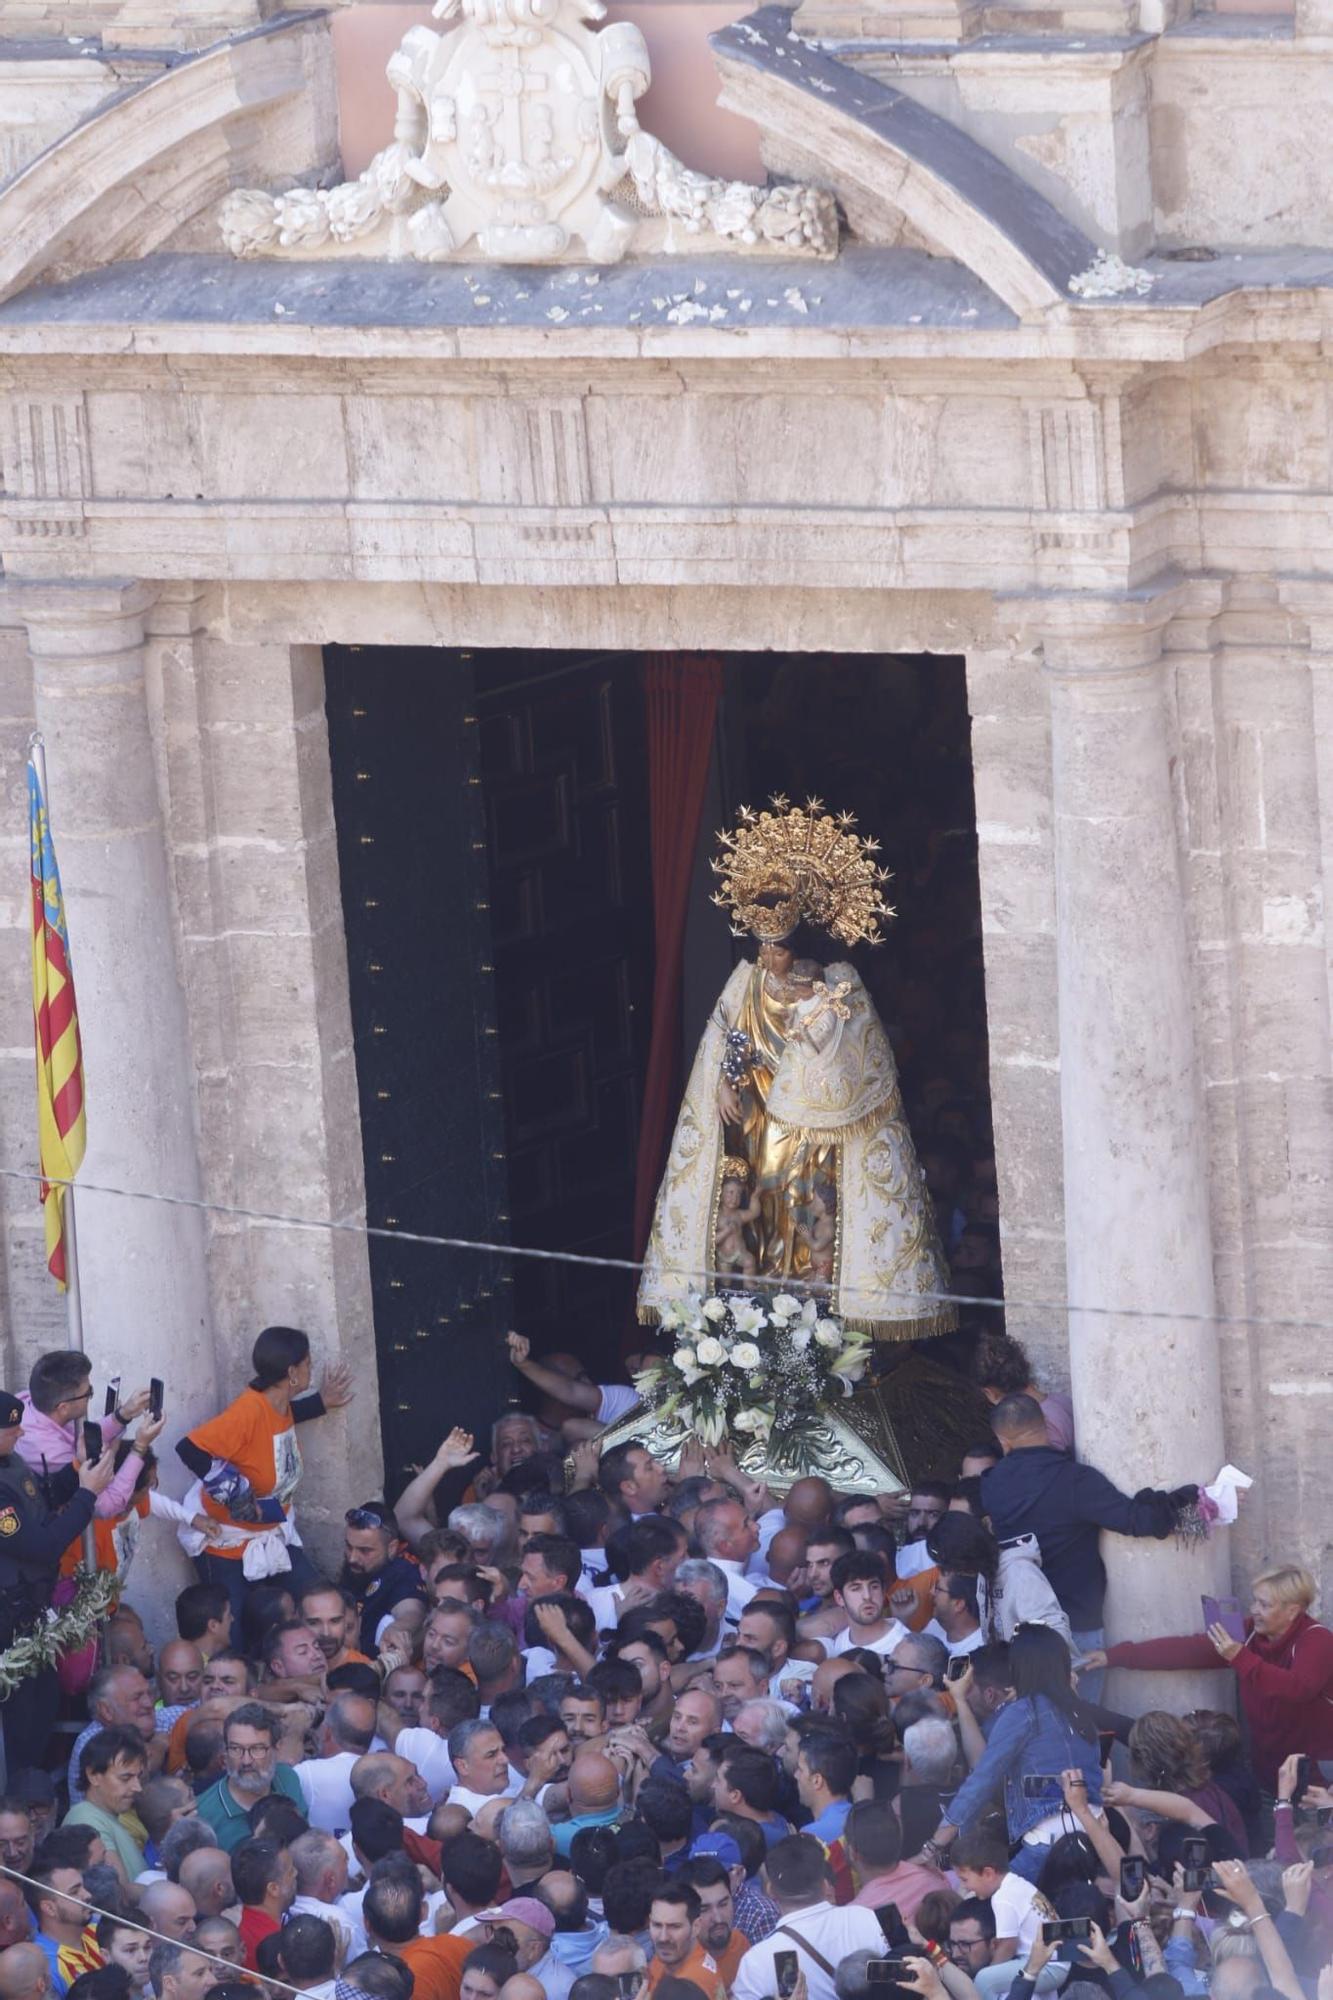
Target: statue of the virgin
791, 1157
792, 1160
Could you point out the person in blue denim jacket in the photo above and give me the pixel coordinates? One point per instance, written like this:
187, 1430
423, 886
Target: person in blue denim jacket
1044, 1730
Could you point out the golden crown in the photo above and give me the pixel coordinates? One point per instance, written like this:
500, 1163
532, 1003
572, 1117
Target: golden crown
800, 862
735, 1169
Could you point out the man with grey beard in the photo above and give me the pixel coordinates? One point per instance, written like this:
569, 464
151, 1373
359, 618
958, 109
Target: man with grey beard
250, 1746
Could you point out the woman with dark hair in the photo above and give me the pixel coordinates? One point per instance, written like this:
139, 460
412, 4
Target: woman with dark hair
484, 1971
1012, 1589
1043, 1731
862, 1706
248, 1465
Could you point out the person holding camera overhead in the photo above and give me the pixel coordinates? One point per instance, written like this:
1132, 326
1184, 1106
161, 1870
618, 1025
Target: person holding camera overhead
248, 1465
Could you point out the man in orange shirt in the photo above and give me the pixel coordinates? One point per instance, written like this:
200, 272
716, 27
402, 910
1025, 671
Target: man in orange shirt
716, 1928
677, 1951
391, 1913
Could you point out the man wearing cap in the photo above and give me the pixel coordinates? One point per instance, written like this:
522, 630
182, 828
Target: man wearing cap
385, 1583
527, 1927
38, 1521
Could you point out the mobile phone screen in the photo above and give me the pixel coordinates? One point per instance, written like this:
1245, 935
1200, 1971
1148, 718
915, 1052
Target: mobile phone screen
92, 1441
1133, 1876
786, 1970
890, 1919
1226, 1612
112, 1396
156, 1392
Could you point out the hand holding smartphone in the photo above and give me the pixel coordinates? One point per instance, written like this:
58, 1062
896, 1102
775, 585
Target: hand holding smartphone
1226, 1612
1062, 1930
1133, 1877
1194, 1861
156, 1393
92, 1441
786, 1971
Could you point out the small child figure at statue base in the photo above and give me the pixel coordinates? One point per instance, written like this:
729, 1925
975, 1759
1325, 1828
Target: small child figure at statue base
731, 1251
821, 1232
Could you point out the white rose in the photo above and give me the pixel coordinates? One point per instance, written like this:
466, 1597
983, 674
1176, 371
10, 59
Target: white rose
785, 1306
715, 1309
709, 1353
684, 1357
745, 1355
827, 1334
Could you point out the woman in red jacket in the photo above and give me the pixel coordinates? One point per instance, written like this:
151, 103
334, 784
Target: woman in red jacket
1284, 1666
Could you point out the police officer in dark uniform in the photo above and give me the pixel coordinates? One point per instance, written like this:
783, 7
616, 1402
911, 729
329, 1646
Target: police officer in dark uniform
39, 1518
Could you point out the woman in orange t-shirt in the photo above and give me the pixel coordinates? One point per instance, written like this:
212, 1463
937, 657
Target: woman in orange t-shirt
248, 1461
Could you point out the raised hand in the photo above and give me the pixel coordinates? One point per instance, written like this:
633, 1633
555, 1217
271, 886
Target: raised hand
337, 1389
520, 1347
1297, 1882
456, 1450
1097, 1951
147, 1431
96, 1478
586, 1458
133, 1406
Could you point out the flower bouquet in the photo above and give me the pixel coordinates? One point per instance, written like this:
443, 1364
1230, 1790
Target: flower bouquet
753, 1370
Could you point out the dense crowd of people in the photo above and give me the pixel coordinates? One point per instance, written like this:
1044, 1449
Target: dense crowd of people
569, 1726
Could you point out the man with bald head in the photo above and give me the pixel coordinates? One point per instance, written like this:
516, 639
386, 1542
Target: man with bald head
697, 1713
205, 1877
168, 1909
345, 1735
522, 1986
383, 1775
809, 1504
594, 1797
823, 1681
25, 1974
180, 1675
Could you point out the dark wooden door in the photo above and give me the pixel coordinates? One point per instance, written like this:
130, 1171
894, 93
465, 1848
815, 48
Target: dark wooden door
564, 779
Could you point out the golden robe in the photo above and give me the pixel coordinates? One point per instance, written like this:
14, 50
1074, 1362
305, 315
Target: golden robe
822, 1105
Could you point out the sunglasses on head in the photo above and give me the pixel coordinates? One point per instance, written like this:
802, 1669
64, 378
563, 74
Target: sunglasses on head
366, 1517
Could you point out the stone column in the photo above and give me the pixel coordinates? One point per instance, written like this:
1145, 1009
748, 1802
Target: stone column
141, 1263
1146, 1390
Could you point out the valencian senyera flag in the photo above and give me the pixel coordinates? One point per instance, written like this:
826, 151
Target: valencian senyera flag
61, 1128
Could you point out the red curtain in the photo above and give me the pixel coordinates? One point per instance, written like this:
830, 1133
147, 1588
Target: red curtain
681, 691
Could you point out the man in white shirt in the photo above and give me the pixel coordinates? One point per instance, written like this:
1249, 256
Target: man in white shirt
770, 1628
858, 1590
346, 1733
954, 1603
580, 1406
929, 1503
728, 1537
821, 1935
450, 1698
481, 1763
321, 1878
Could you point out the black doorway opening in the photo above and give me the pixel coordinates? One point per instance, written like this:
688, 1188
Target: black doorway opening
493, 833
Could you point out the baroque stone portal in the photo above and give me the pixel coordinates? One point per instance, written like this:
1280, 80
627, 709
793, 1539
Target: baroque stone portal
517, 140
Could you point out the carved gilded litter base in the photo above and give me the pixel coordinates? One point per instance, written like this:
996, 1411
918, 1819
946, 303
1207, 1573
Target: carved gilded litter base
852, 1446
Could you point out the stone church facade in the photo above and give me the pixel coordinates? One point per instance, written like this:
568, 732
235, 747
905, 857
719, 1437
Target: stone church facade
1059, 404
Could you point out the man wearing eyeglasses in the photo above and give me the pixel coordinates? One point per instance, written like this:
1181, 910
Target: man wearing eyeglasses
385, 1583
250, 1746
55, 1405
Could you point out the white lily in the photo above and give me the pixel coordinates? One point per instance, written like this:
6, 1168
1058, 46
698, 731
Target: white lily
799, 1337
749, 1318
785, 1307
827, 1333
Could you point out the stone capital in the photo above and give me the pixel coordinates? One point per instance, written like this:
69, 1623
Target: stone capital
1310, 598
73, 619
1087, 638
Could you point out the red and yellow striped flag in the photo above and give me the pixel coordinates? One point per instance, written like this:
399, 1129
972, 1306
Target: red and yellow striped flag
61, 1126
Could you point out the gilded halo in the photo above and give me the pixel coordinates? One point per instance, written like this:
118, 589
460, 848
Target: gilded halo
800, 863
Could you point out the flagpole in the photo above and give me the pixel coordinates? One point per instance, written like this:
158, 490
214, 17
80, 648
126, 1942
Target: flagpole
73, 1289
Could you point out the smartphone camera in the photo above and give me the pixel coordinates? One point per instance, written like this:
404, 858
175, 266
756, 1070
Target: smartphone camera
156, 1393
1194, 1861
887, 1975
92, 1441
1041, 1785
786, 1971
957, 1667
112, 1396
1063, 1930
1133, 1877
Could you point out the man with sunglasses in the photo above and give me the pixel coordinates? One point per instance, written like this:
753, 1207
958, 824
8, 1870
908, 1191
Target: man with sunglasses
384, 1582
